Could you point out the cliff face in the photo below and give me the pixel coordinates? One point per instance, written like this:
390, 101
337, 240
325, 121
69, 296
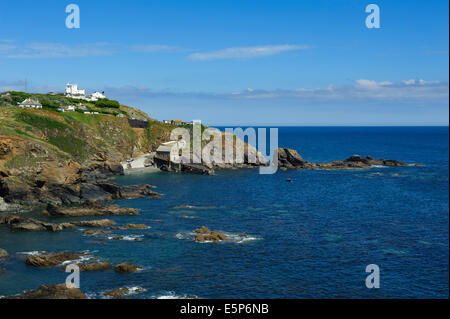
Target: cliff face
45, 153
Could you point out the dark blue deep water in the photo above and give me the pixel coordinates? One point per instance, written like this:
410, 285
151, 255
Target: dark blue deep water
311, 238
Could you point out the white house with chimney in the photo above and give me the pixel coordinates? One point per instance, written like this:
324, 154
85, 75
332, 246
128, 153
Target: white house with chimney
73, 91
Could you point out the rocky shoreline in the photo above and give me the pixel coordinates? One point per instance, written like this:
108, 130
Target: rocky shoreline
77, 192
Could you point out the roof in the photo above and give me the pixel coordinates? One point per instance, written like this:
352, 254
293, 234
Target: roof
178, 121
30, 102
166, 147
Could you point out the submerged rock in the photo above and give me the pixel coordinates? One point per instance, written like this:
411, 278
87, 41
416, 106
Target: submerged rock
126, 267
89, 208
51, 260
3, 253
51, 292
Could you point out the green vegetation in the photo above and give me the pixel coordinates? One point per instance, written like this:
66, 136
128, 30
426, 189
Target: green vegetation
39, 121
20, 161
106, 103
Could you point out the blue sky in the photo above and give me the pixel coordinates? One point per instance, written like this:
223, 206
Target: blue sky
239, 62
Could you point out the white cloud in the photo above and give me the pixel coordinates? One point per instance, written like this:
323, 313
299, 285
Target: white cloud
360, 90
246, 52
58, 50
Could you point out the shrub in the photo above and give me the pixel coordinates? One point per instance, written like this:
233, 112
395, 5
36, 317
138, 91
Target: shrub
107, 103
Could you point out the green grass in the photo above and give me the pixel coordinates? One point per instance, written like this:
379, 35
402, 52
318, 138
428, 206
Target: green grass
41, 122
21, 161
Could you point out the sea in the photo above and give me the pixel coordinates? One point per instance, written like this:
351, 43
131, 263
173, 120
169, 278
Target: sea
312, 237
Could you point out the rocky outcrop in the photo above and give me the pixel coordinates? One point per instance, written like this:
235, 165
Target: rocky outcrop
5, 207
3, 253
19, 223
51, 260
51, 292
126, 267
96, 232
89, 208
94, 223
120, 292
288, 158
204, 234
46, 190
94, 266
130, 226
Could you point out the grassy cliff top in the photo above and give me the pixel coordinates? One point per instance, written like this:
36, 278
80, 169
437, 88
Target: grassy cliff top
55, 101
74, 135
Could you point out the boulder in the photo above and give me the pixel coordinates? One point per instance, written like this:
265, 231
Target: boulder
51, 260
120, 292
95, 232
89, 208
202, 230
204, 234
131, 226
126, 267
94, 223
3, 253
117, 293
18, 223
94, 266
51, 292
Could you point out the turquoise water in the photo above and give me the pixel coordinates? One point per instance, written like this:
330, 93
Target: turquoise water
311, 238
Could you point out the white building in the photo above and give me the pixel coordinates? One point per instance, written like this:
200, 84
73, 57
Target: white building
97, 96
71, 108
73, 91
31, 103
170, 151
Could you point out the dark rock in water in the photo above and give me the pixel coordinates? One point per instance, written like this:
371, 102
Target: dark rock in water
130, 226
117, 293
94, 192
288, 180
18, 223
165, 165
94, 223
3, 253
204, 234
120, 292
95, 232
51, 260
94, 266
89, 208
288, 158
202, 230
126, 267
51, 292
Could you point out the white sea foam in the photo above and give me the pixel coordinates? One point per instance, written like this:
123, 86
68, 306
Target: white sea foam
237, 238
32, 253
173, 295
132, 290
127, 237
